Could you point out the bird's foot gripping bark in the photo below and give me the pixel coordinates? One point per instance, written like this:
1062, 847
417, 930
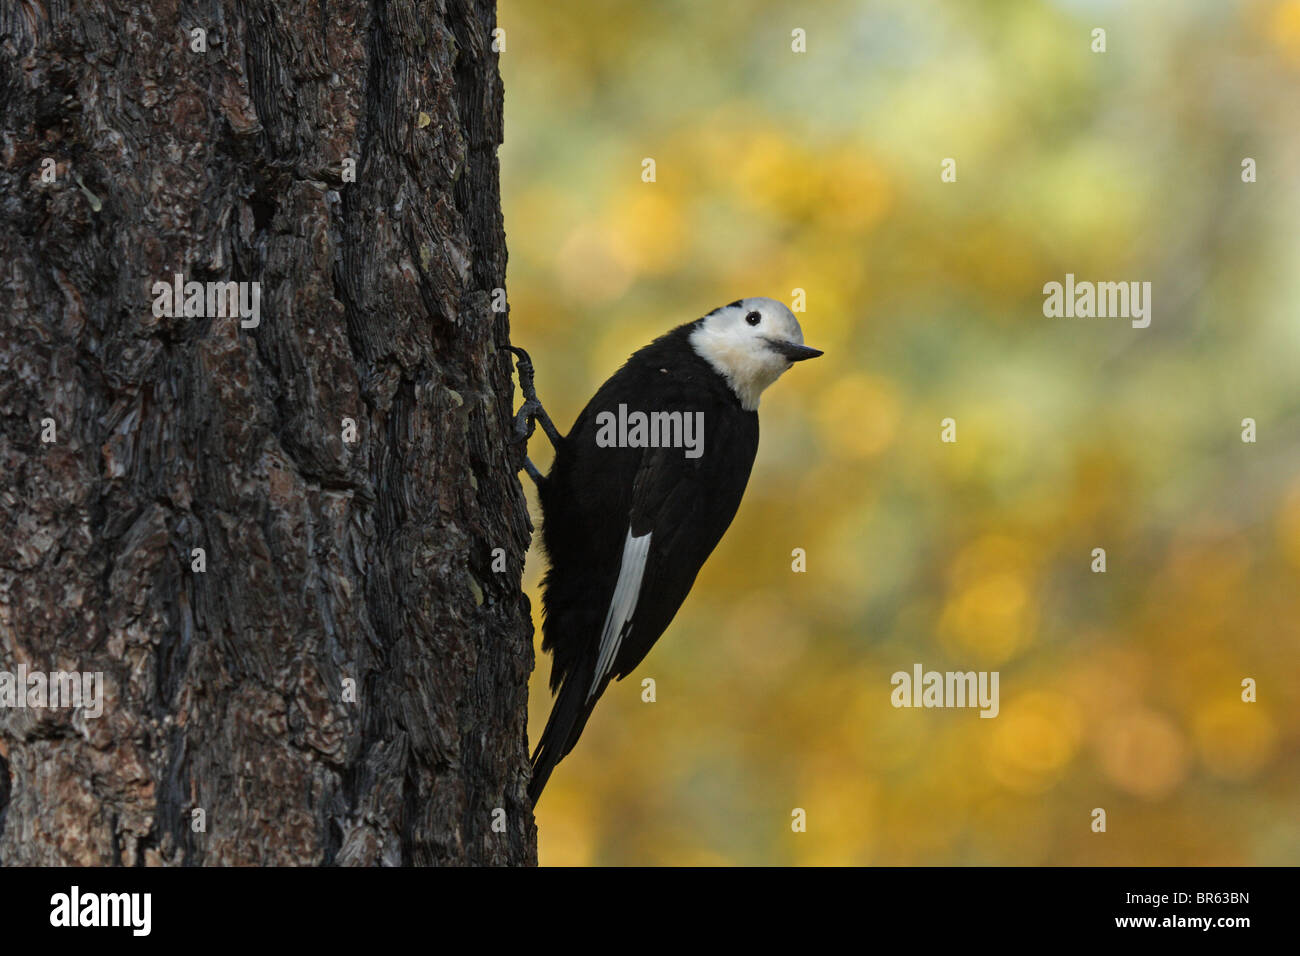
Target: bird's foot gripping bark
531, 412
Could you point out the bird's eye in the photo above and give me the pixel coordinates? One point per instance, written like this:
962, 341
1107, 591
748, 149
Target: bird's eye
754, 318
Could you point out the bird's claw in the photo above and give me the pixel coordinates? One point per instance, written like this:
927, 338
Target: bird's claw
526, 417
525, 366
526, 420
530, 412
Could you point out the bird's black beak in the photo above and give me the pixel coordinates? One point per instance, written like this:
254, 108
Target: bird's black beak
793, 352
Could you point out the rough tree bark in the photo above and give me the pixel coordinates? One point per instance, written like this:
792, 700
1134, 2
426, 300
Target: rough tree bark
326, 560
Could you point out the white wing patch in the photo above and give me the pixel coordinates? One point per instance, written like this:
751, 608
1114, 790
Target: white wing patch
622, 605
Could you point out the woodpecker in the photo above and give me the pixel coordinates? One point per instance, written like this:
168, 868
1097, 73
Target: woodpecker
641, 490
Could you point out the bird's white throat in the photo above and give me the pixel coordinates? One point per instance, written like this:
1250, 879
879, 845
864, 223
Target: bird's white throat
740, 359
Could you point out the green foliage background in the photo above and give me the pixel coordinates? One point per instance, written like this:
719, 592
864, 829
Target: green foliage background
820, 171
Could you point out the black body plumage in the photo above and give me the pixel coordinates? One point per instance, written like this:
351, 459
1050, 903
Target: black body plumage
595, 497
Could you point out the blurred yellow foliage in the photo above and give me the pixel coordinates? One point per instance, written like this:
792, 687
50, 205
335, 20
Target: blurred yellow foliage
819, 174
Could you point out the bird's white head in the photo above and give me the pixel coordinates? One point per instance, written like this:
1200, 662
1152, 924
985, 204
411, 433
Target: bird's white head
750, 343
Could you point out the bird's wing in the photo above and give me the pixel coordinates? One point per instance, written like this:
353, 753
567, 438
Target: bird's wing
618, 619
665, 509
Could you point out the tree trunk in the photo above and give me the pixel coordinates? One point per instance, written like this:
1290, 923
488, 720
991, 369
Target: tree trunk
332, 557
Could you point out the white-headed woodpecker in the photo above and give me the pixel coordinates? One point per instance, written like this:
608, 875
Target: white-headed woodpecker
640, 493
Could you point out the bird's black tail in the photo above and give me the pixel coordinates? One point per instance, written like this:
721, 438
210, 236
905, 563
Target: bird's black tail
567, 720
